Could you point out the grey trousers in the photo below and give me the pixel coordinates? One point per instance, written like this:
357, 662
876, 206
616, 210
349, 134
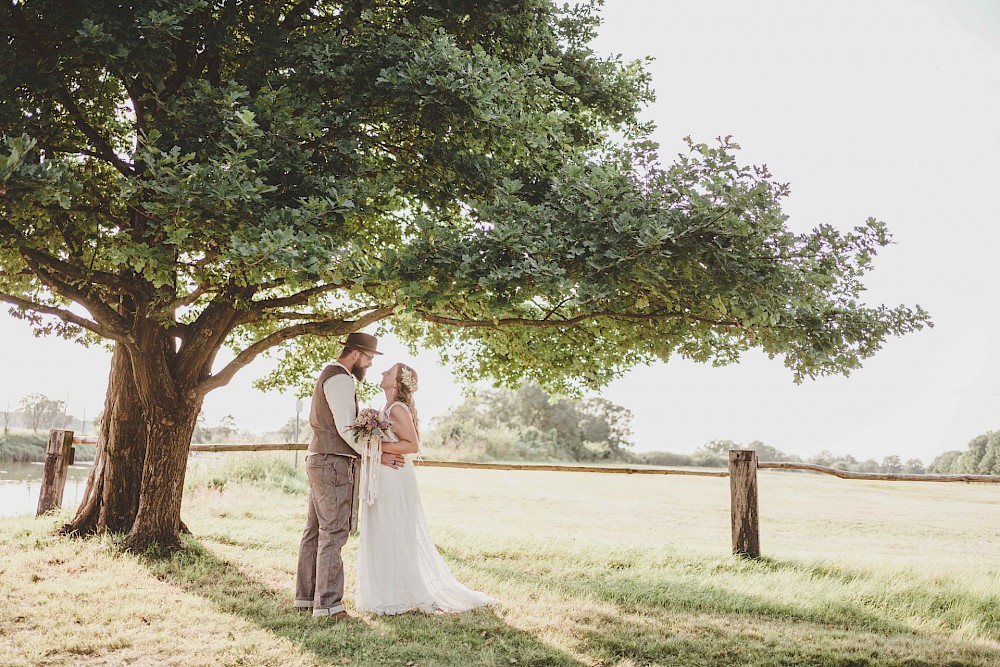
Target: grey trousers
319, 579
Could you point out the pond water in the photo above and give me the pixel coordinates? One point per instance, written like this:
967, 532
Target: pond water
20, 484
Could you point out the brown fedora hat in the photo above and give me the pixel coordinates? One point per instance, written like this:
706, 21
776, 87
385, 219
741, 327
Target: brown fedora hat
362, 341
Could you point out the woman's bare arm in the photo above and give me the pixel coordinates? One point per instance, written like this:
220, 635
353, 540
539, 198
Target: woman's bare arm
402, 425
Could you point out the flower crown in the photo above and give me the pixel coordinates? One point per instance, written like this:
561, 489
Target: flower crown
407, 379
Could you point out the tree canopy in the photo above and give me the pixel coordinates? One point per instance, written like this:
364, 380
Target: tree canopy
179, 176
306, 164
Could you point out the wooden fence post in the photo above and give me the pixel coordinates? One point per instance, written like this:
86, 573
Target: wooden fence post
743, 488
58, 457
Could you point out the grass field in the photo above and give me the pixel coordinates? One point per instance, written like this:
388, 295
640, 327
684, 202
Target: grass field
590, 569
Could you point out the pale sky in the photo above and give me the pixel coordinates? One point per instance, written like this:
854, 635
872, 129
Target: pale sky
883, 108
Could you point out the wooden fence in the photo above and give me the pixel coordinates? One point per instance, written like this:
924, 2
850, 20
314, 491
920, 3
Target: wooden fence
742, 474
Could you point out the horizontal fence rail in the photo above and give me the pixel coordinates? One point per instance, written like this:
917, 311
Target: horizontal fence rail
884, 476
291, 446
251, 447
568, 468
781, 465
742, 474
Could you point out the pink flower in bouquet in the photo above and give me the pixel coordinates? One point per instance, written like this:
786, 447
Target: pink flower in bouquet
369, 424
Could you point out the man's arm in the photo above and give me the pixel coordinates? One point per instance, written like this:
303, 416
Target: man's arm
339, 392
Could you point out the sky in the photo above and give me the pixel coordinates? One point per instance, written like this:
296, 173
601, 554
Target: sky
874, 108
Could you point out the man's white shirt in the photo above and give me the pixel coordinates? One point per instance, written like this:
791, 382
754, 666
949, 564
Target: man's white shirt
340, 391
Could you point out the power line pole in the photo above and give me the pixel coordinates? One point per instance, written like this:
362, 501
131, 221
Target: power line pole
298, 409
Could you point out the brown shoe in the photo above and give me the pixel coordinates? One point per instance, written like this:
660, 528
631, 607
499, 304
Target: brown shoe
341, 616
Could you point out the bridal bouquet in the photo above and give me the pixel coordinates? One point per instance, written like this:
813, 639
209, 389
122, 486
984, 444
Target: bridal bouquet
369, 429
370, 425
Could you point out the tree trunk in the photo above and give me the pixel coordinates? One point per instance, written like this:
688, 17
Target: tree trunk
151, 411
168, 438
137, 482
170, 406
111, 500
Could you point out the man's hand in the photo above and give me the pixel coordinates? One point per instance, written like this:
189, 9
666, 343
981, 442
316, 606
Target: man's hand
392, 460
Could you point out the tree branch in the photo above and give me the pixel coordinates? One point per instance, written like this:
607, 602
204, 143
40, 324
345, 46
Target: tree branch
529, 322
70, 150
291, 20
90, 276
137, 93
18, 274
102, 145
556, 307
327, 328
66, 269
185, 300
313, 317
64, 315
295, 299
55, 208
104, 148
104, 314
205, 336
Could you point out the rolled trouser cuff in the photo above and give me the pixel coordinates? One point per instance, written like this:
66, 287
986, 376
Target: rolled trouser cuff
329, 611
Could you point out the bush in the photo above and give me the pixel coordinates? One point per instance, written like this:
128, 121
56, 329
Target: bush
267, 470
22, 448
476, 442
665, 459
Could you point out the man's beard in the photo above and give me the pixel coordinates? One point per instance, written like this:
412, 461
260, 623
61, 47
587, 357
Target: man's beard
358, 372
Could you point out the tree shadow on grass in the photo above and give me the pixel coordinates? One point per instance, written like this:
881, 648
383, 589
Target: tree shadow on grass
665, 617
479, 637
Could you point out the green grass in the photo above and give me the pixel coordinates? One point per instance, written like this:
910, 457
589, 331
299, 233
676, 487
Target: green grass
26, 446
22, 447
590, 569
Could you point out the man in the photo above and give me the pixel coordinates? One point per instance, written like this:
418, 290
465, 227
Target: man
319, 579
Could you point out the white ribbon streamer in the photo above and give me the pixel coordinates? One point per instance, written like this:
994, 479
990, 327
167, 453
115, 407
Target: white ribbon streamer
371, 460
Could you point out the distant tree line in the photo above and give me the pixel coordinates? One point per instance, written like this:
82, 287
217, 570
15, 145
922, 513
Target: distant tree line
37, 412
982, 457
715, 454
530, 425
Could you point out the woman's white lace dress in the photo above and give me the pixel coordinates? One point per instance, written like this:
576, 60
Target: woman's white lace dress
399, 568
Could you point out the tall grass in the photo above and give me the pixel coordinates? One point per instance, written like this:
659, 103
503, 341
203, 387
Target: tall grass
274, 471
590, 569
27, 447
22, 447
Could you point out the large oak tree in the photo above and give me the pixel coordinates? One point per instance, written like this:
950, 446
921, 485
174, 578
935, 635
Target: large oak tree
179, 176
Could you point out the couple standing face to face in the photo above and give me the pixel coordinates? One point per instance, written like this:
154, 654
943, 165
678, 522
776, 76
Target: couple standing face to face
330, 468
360, 359
363, 361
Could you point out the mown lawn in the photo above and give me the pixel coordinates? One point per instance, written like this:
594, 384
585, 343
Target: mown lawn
590, 569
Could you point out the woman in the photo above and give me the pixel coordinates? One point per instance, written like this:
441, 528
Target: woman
399, 568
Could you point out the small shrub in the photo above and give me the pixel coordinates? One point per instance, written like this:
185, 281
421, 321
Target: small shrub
252, 468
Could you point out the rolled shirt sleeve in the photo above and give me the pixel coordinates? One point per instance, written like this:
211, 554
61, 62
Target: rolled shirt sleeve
340, 391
